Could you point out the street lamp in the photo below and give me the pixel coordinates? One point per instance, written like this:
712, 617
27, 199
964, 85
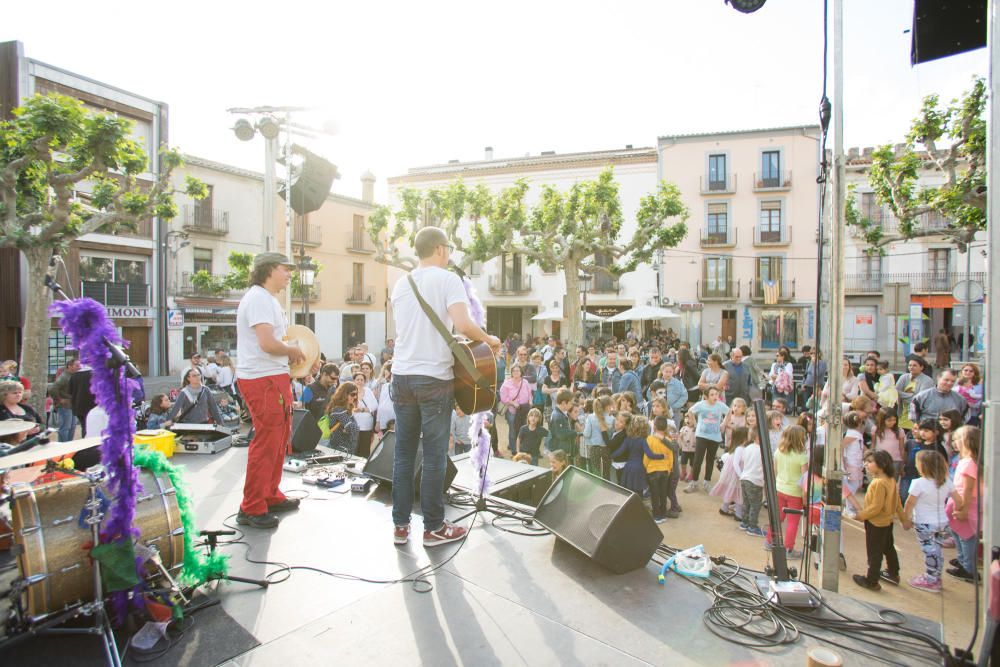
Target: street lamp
584, 280
307, 277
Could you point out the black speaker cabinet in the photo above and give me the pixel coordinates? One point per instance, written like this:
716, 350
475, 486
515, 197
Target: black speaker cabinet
311, 182
383, 455
606, 522
305, 431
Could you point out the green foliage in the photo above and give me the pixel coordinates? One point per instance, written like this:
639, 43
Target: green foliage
205, 283
960, 200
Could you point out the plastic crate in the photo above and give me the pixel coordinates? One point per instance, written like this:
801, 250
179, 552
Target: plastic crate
160, 440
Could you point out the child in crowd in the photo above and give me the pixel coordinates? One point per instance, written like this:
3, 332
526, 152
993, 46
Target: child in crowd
949, 421
735, 418
881, 504
790, 463
562, 434
595, 430
885, 389
751, 426
558, 461
675, 472
728, 486
925, 512
658, 469
159, 406
889, 437
658, 407
577, 417
925, 436
963, 513
615, 442
852, 458
635, 445
230, 413
752, 488
529, 439
775, 425
687, 444
523, 457
813, 494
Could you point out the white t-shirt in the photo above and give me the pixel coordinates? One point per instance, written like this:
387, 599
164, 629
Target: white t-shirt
752, 465
931, 499
420, 349
366, 420
258, 306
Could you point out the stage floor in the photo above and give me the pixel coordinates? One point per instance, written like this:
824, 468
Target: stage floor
503, 599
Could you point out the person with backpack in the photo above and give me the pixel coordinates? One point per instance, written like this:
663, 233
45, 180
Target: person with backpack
781, 378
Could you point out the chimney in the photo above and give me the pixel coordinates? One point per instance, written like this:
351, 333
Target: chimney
489, 152
628, 147
368, 187
852, 153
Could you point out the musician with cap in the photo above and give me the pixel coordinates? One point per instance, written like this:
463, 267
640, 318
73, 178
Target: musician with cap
422, 384
262, 374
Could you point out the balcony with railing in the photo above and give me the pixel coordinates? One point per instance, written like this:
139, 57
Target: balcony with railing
314, 292
926, 282
718, 290
507, 284
311, 236
772, 182
211, 286
360, 242
718, 186
772, 237
116, 294
204, 220
602, 284
786, 289
360, 294
715, 238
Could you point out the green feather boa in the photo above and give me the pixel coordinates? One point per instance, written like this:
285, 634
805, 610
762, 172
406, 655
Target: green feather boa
197, 568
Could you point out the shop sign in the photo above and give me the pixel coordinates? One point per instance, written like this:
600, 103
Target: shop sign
863, 320
175, 319
132, 312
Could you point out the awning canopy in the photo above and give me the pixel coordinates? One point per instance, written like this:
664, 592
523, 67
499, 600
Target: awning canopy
644, 313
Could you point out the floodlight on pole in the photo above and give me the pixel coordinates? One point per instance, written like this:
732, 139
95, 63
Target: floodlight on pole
243, 130
268, 127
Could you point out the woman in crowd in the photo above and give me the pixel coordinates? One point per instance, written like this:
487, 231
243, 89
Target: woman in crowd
364, 414
970, 387
226, 374
340, 414
868, 380
515, 395
781, 377
909, 385
849, 389
195, 404
714, 376
386, 412
12, 407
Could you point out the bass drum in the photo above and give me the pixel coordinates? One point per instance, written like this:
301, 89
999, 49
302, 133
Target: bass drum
50, 528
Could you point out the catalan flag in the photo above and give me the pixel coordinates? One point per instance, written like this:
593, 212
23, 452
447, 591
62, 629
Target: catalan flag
772, 290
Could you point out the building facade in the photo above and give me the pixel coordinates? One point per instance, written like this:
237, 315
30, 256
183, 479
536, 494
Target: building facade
121, 271
754, 205
514, 291
930, 267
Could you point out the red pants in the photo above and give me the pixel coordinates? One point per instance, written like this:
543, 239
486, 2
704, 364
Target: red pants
792, 527
269, 400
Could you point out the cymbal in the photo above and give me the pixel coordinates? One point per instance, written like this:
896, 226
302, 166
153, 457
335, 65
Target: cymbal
303, 336
53, 450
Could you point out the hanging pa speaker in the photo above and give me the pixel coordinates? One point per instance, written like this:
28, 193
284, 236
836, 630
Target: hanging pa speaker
306, 433
383, 457
603, 520
943, 28
311, 181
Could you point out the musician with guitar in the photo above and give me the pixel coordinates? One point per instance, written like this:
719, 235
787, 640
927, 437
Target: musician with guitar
426, 304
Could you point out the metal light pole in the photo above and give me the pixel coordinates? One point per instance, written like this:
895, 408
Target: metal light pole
307, 275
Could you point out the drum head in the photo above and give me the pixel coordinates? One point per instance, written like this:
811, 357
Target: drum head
303, 336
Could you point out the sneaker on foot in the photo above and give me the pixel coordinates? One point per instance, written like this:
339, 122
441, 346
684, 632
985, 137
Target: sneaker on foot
862, 581
704, 485
662, 519
724, 512
954, 562
286, 505
401, 534
743, 526
961, 573
925, 583
756, 531
448, 532
891, 578
257, 520
673, 514
690, 488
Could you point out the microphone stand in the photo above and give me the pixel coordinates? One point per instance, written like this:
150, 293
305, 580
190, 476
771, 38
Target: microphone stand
212, 541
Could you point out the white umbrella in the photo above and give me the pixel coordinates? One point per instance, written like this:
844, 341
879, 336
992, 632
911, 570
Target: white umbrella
644, 313
557, 314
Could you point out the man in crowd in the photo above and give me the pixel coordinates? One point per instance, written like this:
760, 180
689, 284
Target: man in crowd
316, 395
920, 353
388, 350
63, 400
651, 371
611, 376
195, 363
739, 377
930, 403
815, 375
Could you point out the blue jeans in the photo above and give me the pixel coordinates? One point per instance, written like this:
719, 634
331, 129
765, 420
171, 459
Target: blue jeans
67, 423
967, 555
423, 408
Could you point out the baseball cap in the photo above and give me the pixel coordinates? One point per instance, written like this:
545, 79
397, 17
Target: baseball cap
271, 258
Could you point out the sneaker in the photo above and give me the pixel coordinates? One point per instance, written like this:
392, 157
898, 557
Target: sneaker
925, 583
961, 573
724, 512
690, 488
756, 531
862, 581
892, 579
743, 526
704, 485
401, 534
257, 520
947, 543
843, 563
286, 505
662, 519
673, 514
448, 532
954, 562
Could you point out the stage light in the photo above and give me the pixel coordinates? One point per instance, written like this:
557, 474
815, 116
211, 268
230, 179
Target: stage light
268, 127
243, 130
746, 6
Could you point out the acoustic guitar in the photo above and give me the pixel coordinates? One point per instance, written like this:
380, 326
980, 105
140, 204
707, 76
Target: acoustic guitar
474, 394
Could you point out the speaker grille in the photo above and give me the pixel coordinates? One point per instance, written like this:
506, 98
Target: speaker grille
583, 506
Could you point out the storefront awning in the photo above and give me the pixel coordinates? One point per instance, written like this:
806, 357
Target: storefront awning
935, 301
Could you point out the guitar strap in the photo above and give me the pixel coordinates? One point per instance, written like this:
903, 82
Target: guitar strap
450, 340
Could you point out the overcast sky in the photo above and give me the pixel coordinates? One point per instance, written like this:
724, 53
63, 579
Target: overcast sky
416, 83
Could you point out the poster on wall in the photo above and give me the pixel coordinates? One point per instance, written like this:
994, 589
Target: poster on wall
747, 325
175, 319
915, 327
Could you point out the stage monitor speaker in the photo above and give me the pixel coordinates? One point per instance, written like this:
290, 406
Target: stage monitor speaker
305, 431
943, 28
311, 181
601, 519
380, 462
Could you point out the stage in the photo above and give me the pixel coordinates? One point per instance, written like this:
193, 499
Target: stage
497, 599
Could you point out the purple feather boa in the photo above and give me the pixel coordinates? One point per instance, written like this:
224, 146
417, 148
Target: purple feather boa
478, 434
86, 324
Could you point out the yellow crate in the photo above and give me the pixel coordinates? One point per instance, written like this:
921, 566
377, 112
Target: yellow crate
160, 440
